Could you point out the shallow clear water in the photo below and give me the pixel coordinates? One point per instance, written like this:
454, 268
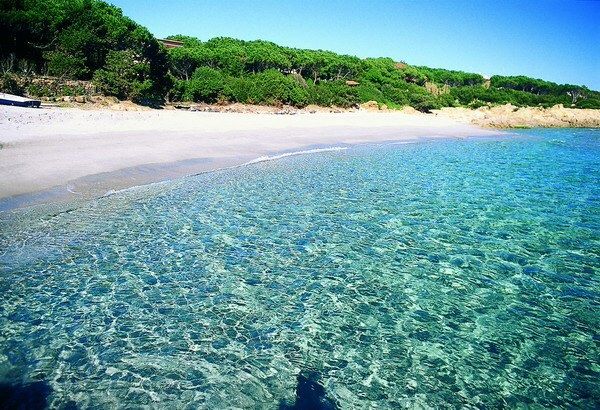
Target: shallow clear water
446, 274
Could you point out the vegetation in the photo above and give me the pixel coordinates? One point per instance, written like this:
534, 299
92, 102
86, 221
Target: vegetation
83, 39
92, 40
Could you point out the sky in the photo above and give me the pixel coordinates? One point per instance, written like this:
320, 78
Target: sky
556, 40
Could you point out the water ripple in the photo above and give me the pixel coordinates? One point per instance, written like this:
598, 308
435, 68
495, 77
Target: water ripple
447, 274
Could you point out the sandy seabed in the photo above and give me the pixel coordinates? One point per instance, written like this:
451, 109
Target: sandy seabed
88, 152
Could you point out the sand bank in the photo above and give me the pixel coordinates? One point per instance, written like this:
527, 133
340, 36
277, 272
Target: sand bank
92, 151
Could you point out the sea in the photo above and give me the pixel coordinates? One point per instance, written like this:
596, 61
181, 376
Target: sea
455, 273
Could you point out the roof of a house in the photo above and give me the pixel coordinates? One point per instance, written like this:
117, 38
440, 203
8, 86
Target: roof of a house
171, 43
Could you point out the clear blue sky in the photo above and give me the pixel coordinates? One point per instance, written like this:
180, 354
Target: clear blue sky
557, 40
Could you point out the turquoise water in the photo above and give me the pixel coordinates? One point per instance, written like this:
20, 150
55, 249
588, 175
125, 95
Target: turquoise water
445, 274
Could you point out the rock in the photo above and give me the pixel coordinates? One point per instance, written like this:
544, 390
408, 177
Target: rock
67, 98
370, 106
312, 109
504, 109
409, 110
508, 116
80, 99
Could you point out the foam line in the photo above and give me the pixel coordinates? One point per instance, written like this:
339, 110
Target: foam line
290, 154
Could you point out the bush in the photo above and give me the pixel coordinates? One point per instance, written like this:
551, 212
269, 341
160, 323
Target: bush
206, 85
395, 95
8, 84
446, 100
476, 104
333, 93
272, 87
39, 90
369, 92
267, 87
424, 102
177, 91
119, 74
239, 89
64, 65
593, 103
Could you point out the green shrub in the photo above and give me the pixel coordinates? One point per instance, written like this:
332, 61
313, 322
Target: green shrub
593, 103
125, 77
177, 91
39, 90
424, 102
272, 87
446, 100
267, 87
369, 92
61, 64
239, 89
119, 74
206, 85
8, 84
335, 93
395, 96
72, 90
476, 104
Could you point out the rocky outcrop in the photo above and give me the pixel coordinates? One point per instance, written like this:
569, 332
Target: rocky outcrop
510, 116
370, 106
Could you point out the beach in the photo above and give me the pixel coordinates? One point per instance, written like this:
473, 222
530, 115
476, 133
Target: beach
365, 206
54, 152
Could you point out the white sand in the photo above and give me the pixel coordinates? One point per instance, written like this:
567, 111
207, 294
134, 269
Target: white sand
52, 147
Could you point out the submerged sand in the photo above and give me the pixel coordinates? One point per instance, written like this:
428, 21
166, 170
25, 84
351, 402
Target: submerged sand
91, 151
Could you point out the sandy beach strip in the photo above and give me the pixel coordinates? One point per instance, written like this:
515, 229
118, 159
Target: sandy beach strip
76, 152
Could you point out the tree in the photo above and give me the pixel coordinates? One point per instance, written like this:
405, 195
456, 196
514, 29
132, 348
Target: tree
576, 93
126, 77
183, 62
61, 64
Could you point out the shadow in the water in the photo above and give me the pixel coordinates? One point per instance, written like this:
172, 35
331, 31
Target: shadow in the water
310, 394
32, 396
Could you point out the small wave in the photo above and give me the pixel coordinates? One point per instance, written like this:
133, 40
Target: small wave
289, 154
403, 142
131, 188
111, 192
71, 189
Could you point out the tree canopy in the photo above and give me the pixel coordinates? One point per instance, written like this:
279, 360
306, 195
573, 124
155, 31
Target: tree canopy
75, 38
93, 40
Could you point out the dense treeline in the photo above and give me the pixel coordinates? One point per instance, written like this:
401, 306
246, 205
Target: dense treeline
226, 69
91, 40
83, 39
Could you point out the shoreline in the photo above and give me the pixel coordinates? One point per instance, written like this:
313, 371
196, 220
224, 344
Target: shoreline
57, 155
